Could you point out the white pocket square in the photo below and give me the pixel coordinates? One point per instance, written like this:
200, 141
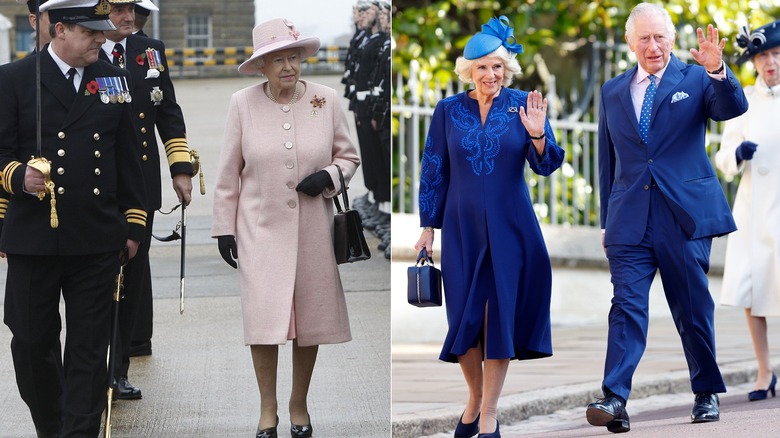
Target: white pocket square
678, 96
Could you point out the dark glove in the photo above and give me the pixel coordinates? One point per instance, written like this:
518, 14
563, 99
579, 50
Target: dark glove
228, 249
746, 150
315, 183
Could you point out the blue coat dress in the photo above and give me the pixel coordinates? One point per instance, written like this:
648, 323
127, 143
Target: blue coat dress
472, 187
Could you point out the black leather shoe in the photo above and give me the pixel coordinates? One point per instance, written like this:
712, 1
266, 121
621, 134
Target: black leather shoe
467, 430
142, 349
126, 391
266, 433
705, 408
609, 411
301, 431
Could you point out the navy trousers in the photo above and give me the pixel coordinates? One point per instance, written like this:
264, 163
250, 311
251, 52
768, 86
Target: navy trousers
683, 264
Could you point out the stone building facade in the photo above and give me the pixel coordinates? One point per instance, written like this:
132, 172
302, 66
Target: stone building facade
181, 24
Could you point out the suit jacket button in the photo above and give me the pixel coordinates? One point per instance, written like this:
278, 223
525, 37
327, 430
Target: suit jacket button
61, 190
145, 144
144, 157
96, 136
143, 130
60, 171
647, 187
61, 152
141, 116
650, 161
96, 191
97, 154
97, 171
61, 135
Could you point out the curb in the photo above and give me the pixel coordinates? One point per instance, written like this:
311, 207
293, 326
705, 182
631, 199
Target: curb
518, 407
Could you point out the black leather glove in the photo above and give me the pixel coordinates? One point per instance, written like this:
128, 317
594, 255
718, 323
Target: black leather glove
746, 150
315, 183
228, 249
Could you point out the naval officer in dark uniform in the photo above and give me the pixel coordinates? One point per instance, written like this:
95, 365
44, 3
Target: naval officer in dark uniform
154, 104
88, 139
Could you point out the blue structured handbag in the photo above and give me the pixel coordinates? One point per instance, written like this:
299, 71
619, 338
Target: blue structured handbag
424, 282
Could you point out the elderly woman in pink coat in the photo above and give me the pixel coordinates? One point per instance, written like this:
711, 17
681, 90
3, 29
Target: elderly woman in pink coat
284, 139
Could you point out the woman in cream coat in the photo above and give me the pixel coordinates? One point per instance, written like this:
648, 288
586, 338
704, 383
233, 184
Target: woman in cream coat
273, 212
750, 146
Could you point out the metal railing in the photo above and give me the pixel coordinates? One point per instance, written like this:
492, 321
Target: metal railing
570, 196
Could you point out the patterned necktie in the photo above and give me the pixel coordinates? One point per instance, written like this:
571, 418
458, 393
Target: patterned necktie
647, 108
119, 55
71, 77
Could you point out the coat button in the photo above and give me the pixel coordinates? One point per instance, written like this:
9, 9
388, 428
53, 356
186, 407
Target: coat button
97, 171
290, 185
60, 171
96, 136
61, 152
290, 164
288, 145
61, 135
291, 204
647, 187
96, 191
286, 108
61, 190
287, 126
143, 130
650, 161
97, 154
141, 116
763, 170
144, 157
145, 143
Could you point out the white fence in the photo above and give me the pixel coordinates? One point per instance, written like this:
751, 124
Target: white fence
567, 197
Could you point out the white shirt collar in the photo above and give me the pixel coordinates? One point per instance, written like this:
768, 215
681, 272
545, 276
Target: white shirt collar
64, 67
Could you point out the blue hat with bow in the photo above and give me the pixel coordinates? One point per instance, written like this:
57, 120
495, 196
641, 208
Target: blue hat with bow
497, 32
762, 39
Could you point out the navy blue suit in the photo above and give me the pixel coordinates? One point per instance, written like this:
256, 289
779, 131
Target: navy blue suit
661, 204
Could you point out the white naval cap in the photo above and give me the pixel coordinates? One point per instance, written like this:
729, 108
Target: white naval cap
92, 14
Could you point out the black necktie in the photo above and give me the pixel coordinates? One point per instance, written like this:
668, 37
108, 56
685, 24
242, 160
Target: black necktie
71, 78
119, 55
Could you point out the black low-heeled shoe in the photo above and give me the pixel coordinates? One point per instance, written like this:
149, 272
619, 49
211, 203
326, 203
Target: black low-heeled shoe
760, 394
269, 432
467, 430
301, 431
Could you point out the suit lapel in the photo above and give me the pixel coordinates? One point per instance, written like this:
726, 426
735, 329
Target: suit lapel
625, 97
54, 81
83, 102
672, 77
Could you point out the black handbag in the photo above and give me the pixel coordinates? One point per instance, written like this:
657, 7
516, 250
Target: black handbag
349, 243
424, 282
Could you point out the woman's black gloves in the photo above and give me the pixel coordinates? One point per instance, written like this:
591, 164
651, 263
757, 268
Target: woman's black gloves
745, 151
228, 249
315, 183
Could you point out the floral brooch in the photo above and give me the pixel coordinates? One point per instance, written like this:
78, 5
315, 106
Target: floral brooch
318, 102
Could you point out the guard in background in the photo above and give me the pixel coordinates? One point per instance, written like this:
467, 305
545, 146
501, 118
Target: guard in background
142, 11
87, 138
375, 208
154, 104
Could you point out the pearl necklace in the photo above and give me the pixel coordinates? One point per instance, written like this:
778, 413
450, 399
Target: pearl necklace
273, 99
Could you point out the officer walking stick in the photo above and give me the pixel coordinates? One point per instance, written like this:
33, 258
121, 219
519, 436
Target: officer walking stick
183, 248
120, 278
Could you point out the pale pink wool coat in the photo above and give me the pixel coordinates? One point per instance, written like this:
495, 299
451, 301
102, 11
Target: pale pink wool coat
288, 272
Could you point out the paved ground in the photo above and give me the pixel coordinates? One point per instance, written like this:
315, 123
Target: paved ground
200, 382
547, 397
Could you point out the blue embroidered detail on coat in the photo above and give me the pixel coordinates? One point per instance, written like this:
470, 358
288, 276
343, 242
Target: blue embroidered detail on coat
481, 143
430, 178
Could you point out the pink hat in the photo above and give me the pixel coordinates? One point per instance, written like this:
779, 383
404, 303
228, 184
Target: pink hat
273, 35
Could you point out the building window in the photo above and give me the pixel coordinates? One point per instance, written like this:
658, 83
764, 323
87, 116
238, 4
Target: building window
25, 35
198, 31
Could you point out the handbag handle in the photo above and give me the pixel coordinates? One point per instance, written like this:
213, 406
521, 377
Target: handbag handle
423, 256
343, 193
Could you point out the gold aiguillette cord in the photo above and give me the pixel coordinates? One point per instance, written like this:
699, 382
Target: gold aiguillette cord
197, 169
42, 164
